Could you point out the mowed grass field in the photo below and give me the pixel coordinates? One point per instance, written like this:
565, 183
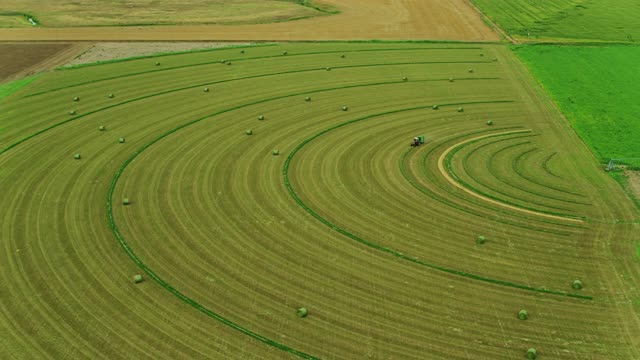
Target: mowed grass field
378, 240
613, 20
162, 12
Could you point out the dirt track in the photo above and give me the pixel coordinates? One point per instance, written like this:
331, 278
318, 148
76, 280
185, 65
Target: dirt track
359, 19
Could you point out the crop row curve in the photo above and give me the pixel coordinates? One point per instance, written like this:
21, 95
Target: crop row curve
261, 58
287, 183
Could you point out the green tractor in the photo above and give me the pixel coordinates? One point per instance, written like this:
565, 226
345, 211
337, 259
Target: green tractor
417, 141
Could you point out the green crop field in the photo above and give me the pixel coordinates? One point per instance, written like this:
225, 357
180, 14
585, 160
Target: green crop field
596, 87
244, 184
613, 20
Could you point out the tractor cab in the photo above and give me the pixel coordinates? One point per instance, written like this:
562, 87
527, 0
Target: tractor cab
417, 141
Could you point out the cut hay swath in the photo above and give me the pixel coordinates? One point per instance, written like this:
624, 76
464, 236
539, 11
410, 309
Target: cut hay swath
231, 242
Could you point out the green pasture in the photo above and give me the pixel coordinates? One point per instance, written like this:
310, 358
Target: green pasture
583, 20
596, 87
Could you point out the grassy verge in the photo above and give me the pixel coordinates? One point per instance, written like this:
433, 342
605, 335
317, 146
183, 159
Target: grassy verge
11, 87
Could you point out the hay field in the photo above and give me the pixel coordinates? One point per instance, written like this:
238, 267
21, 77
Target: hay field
159, 12
396, 252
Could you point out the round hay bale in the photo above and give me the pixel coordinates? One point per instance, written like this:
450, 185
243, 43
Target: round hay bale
284, 53
110, 96
307, 98
126, 201
223, 61
72, 112
470, 71
205, 89
157, 63
327, 68
460, 109
102, 128
344, 108
276, 152
76, 99
435, 107
241, 51
481, 239
576, 284
343, 56
404, 78
261, 117
523, 315
121, 140
77, 156
481, 54
249, 132
228, 62
137, 279
495, 59
489, 122
451, 79
532, 354
302, 312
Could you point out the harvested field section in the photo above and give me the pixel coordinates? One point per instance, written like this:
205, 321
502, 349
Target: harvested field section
346, 221
358, 20
65, 13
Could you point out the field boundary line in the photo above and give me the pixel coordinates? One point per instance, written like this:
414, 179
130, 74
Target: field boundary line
287, 183
447, 176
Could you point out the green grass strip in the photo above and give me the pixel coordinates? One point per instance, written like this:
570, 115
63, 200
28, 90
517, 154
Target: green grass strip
449, 168
285, 174
268, 57
492, 217
11, 87
39, 132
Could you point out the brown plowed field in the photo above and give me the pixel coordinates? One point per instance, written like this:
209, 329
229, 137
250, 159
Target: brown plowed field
359, 19
18, 60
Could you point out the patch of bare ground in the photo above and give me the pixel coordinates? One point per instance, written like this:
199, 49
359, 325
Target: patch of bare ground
634, 182
23, 59
358, 20
104, 51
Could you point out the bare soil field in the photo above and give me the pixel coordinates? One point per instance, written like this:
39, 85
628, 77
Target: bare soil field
18, 60
104, 51
358, 20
